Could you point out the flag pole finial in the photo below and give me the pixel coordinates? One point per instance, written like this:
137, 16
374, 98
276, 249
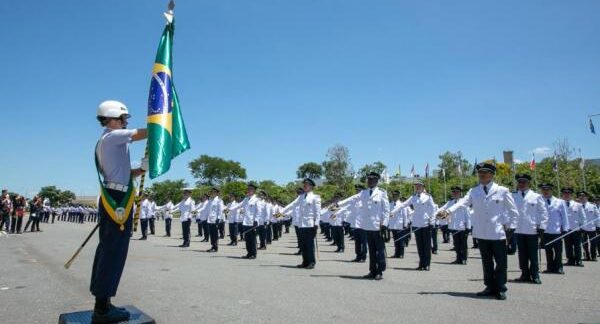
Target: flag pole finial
169, 13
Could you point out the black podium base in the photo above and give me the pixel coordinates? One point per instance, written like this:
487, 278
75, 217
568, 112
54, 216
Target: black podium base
85, 317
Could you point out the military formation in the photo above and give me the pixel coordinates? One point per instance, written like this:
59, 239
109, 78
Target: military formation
501, 222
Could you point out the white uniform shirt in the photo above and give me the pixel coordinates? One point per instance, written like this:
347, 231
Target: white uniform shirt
491, 212
533, 213
400, 218
166, 210
249, 209
146, 210
424, 209
309, 213
558, 221
591, 217
461, 218
113, 155
233, 215
373, 210
575, 213
185, 208
214, 210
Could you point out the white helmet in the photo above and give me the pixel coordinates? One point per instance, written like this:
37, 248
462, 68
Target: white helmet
112, 109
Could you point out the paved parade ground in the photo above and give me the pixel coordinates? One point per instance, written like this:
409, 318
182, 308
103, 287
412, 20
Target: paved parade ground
176, 285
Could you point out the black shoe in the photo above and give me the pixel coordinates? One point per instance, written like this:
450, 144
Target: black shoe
362, 261
579, 264
378, 277
114, 315
339, 251
486, 292
262, 248
434, 252
522, 279
455, 262
426, 268
420, 268
548, 271
594, 260
230, 244
310, 266
143, 238
301, 266
560, 271
501, 296
369, 276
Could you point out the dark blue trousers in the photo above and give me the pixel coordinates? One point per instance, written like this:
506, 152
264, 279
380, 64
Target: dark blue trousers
233, 232
307, 242
529, 262
111, 252
423, 238
360, 243
376, 252
554, 253
168, 226
494, 251
185, 228
213, 232
250, 239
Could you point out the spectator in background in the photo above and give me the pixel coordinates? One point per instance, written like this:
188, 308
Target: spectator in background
6, 208
17, 216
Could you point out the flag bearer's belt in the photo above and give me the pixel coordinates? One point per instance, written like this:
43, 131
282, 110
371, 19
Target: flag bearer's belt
116, 186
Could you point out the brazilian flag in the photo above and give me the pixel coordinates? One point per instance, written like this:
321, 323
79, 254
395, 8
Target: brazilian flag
167, 137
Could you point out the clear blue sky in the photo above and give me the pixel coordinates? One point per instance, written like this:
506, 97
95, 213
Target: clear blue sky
274, 83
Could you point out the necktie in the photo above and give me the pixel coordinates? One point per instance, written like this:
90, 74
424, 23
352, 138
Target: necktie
370, 192
523, 194
568, 203
548, 201
305, 195
485, 189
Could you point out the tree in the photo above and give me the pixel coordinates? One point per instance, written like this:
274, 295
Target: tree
65, 197
237, 188
450, 161
211, 170
57, 197
378, 167
338, 167
310, 170
167, 190
563, 150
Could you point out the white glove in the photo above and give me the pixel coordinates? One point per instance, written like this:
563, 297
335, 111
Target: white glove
144, 165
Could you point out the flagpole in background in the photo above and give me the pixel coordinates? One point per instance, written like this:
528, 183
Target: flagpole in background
555, 169
533, 168
582, 167
427, 176
460, 170
445, 188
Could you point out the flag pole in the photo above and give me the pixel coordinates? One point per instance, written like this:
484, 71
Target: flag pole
582, 167
556, 171
445, 188
138, 199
